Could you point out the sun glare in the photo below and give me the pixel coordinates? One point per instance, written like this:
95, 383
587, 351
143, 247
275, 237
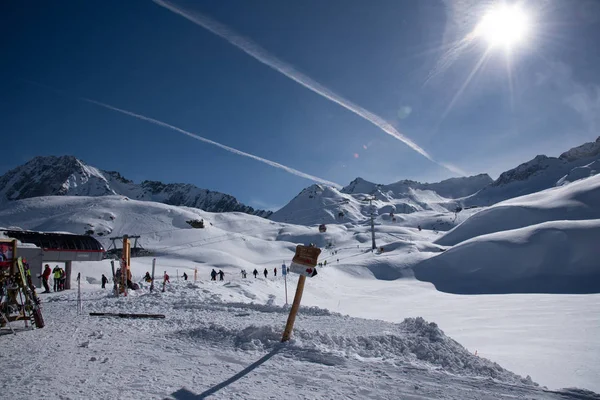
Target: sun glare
504, 25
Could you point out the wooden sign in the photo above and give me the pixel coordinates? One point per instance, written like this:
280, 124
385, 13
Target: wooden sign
306, 255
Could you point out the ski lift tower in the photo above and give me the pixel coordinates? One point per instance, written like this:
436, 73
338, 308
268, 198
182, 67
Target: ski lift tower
370, 200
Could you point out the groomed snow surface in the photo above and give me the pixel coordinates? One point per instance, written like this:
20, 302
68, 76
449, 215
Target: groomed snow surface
212, 345
543, 243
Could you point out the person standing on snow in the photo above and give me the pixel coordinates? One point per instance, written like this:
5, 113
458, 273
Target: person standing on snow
221, 275
255, 272
45, 276
63, 279
104, 281
56, 276
275, 272
266, 273
185, 276
213, 275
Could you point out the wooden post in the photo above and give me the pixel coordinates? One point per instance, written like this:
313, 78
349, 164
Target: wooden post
289, 326
153, 267
125, 258
68, 269
115, 285
13, 265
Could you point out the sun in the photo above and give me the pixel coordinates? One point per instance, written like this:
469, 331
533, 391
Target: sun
504, 25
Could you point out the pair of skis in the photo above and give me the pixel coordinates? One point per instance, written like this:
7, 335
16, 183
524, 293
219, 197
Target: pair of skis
32, 302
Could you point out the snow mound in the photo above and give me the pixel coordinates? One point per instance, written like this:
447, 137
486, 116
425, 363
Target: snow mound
576, 201
552, 257
413, 342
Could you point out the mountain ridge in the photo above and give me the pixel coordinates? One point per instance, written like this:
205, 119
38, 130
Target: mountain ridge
69, 176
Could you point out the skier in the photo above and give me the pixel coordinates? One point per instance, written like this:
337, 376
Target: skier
104, 281
147, 277
419, 227
275, 271
167, 278
221, 275
243, 274
185, 276
266, 273
45, 276
255, 272
56, 276
213, 275
325, 263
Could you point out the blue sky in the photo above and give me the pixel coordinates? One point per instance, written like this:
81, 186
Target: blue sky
141, 57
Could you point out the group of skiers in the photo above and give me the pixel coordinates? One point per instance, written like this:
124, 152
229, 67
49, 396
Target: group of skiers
255, 273
213, 275
59, 276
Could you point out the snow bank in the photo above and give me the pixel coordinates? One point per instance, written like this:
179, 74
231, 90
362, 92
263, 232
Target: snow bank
576, 201
552, 257
413, 342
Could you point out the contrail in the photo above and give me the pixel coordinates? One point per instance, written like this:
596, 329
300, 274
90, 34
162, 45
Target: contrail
262, 55
222, 146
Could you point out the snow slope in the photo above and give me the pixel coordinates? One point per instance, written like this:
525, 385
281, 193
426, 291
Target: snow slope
552, 257
579, 200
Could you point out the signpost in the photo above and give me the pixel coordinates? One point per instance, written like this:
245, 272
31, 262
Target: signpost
79, 304
152, 281
284, 272
303, 263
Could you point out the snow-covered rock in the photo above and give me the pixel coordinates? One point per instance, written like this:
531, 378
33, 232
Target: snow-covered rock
586, 150
577, 173
541, 173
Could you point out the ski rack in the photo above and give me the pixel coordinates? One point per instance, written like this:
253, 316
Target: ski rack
18, 299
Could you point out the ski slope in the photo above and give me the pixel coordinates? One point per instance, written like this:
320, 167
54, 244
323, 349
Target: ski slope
525, 333
579, 200
552, 257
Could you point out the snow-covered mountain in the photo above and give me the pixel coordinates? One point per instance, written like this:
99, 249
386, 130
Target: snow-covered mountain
69, 176
324, 204
452, 188
540, 173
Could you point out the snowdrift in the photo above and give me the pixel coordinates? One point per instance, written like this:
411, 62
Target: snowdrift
552, 257
576, 201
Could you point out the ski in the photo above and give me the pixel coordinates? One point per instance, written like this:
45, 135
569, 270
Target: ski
32, 302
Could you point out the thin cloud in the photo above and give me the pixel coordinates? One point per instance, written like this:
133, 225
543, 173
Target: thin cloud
262, 55
290, 170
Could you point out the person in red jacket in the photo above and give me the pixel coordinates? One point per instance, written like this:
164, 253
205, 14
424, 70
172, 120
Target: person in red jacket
45, 276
